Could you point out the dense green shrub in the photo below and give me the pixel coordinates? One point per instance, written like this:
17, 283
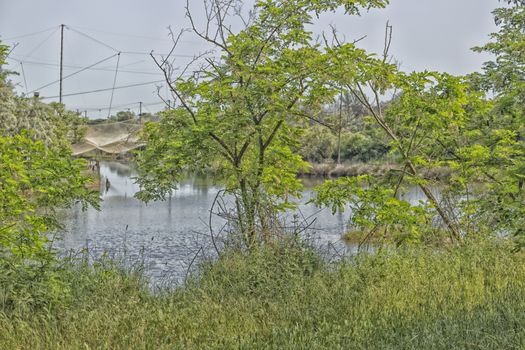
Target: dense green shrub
319, 145
38, 176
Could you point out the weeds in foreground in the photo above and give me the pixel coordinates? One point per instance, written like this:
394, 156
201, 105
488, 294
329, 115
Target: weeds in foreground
286, 297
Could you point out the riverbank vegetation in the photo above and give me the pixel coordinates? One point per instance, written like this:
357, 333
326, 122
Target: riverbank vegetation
447, 272
283, 297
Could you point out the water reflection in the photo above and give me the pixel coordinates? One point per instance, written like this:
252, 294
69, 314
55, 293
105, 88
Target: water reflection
165, 236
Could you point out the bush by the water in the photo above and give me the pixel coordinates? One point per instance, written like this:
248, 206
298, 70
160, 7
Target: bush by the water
284, 297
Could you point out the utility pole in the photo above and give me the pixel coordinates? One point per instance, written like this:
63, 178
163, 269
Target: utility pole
61, 59
140, 109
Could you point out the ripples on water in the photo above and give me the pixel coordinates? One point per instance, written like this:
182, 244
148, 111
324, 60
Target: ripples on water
165, 236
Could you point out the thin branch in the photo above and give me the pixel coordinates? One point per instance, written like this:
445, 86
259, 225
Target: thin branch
388, 41
205, 36
174, 89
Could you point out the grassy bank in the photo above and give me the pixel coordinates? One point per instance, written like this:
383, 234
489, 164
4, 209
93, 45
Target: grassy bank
287, 298
374, 169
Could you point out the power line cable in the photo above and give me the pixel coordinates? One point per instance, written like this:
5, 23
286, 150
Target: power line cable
114, 83
30, 34
116, 50
125, 34
13, 47
117, 106
19, 58
132, 64
79, 71
66, 66
154, 104
105, 107
42, 43
93, 39
106, 89
129, 35
24, 76
121, 51
53, 61
23, 72
45, 60
156, 54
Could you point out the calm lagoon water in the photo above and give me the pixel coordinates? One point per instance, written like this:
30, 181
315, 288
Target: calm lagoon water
165, 236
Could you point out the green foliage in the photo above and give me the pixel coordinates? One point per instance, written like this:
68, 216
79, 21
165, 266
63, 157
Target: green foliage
437, 120
38, 177
318, 6
363, 147
502, 155
360, 141
37, 172
245, 113
318, 144
505, 74
35, 181
122, 116
376, 210
51, 123
468, 297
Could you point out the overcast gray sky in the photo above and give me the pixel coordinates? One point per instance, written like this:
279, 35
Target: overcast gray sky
428, 34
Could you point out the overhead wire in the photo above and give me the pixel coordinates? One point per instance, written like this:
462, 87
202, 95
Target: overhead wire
93, 39
154, 104
106, 89
123, 51
92, 67
74, 59
24, 76
68, 66
125, 34
133, 35
13, 47
114, 83
155, 54
103, 108
30, 34
42, 42
77, 72
40, 59
149, 104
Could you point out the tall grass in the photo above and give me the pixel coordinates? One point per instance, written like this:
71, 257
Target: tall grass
286, 297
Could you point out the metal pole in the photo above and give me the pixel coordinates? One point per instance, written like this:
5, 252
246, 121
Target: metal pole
61, 59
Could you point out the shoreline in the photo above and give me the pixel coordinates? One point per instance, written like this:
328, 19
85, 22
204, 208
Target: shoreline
328, 170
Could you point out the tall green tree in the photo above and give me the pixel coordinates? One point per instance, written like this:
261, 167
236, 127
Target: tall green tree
244, 112
504, 128
437, 120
